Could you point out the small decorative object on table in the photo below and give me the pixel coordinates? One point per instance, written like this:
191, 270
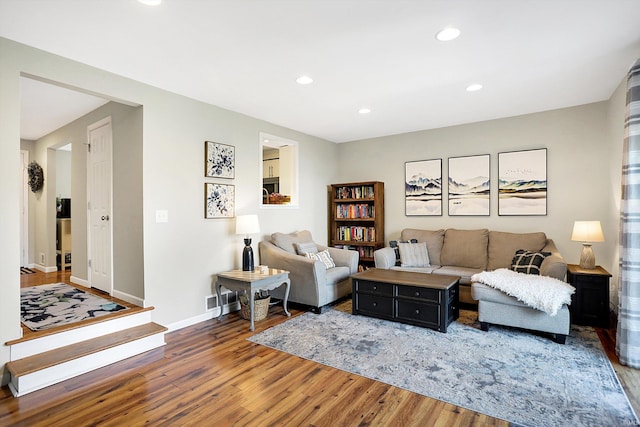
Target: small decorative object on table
261, 302
247, 224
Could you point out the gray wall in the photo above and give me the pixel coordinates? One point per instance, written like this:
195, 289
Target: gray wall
584, 146
181, 256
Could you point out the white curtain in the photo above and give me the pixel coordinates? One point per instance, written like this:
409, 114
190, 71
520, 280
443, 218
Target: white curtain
628, 335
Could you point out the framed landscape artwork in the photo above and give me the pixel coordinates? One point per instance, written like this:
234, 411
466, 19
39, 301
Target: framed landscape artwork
423, 187
219, 200
220, 160
522, 182
469, 185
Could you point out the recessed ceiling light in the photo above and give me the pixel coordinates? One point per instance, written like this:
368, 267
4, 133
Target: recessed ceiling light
151, 2
304, 80
474, 87
447, 34
364, 111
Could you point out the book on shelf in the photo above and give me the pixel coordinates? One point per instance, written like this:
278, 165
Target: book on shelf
357, 211
358, 234
355, 192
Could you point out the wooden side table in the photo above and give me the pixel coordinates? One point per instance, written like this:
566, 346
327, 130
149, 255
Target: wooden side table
590, 303
252, 282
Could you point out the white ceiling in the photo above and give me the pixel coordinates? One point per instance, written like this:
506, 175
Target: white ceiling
244, 55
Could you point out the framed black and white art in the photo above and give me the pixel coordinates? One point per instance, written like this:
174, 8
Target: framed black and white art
522, 182
219, 200
220, 160
469, 185
423, 187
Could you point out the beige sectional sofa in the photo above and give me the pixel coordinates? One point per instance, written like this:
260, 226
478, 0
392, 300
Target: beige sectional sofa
467, 252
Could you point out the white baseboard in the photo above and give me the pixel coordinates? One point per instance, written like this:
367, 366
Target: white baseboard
203, 317
129, 298
79, 281
45, 269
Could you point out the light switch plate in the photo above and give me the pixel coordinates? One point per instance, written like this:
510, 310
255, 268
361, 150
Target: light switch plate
162, 216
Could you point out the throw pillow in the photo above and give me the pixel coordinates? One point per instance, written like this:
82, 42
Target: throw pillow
414, 254
528, 262
394, 244
306, 247
323, 257
287, 241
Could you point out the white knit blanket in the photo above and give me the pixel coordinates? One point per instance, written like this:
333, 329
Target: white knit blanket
540, 292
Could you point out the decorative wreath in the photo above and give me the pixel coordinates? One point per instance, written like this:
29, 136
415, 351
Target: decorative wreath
36, 176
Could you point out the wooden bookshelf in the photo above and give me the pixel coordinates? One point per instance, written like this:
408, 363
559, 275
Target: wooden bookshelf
356, 218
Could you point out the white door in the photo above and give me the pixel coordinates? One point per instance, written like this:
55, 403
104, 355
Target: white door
24, 209
99, 205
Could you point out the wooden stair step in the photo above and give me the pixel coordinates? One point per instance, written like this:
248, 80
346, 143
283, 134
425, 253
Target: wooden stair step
31, 364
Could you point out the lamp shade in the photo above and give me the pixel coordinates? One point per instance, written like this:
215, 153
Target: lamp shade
247, 224
587, 231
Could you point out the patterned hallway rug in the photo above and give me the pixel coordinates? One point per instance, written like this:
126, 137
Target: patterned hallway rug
506, 373
48, 306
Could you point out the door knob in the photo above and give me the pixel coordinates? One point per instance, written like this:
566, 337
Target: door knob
105, 217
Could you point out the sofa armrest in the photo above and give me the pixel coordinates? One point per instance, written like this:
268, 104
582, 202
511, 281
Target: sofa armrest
385, 258
345, 258
302, 270
554, 265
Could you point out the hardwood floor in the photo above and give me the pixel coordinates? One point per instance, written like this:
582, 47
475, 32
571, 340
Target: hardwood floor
210, 374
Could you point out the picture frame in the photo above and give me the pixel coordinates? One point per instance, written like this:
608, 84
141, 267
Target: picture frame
522, 182
220, 160
219, 200
423, 188
469, 185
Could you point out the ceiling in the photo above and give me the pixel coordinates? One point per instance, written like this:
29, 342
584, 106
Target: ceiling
245, 55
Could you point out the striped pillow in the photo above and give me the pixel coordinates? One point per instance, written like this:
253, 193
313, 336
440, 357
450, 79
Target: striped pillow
414, 254
323, 257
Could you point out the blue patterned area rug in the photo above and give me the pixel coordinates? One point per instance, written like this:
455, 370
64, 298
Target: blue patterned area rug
49, 306
506, 373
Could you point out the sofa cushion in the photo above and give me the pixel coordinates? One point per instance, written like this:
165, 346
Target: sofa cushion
480, 291
528, 262
287, 241
303, 248
433, 239
465, 248
323, 257
416, 269
503, 245
414, 254
465, 273
337, 274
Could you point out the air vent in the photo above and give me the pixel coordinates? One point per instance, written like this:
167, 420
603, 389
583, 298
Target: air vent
211, 302
228, 299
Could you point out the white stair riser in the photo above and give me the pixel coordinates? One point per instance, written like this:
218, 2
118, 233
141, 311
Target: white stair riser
31, 382
72, 336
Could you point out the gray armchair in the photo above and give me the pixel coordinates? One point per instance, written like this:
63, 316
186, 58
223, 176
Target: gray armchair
312, 283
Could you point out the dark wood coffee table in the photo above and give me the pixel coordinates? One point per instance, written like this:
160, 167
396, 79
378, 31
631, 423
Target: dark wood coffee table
429, 300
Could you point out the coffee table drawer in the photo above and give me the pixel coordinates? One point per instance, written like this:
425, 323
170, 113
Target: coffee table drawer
423, 294
377, 288
374, 304
419, 313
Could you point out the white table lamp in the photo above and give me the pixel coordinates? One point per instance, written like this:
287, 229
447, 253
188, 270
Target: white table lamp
587, 232
247, 224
